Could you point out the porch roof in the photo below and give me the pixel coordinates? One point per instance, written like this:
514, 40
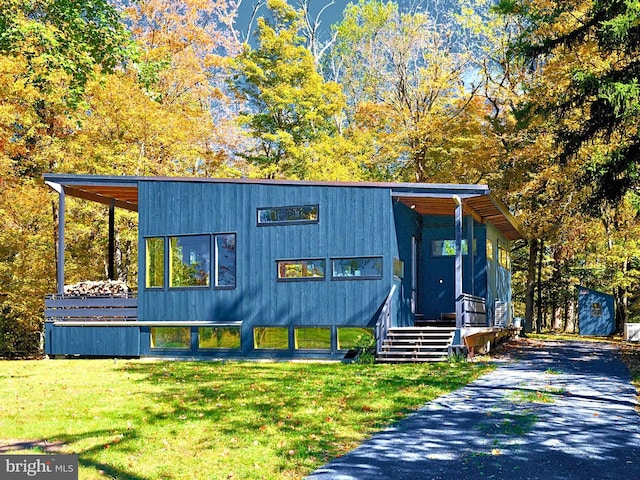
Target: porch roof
425, 198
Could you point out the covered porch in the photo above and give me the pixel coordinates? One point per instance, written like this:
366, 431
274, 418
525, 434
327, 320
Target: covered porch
457, 263
102, 313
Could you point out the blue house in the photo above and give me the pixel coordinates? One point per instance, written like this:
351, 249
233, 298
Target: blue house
596, 313
263, 268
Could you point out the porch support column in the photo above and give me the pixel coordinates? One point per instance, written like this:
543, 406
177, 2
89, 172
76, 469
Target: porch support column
112, 242
472, 239
60, 259
458, 262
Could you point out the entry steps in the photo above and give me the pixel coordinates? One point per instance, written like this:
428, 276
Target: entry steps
416, 344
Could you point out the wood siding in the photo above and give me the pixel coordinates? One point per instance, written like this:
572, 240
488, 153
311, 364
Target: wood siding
353, 222
98, 341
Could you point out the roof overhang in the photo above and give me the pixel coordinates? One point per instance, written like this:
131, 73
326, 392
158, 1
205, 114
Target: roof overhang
483, 206
426, 199
122, 192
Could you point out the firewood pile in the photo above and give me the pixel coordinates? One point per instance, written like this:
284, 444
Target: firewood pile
106, 287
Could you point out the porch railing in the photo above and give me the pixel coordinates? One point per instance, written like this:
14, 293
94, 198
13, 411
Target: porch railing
474, 310
91, 308
384, 321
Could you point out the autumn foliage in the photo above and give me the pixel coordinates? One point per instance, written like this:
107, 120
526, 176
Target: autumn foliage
536, 98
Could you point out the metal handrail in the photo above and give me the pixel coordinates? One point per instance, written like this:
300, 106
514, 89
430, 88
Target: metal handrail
384, 321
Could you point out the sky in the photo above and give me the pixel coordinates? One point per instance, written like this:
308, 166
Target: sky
330, 16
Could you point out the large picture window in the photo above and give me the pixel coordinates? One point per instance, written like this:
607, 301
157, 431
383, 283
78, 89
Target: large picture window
189, 261
288, 215
154, 276
305, 269
356, 268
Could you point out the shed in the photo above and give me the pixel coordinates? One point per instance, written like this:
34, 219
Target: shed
596, 312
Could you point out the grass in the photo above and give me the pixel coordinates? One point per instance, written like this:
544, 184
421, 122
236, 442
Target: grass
530, 396
631, 358
134, 420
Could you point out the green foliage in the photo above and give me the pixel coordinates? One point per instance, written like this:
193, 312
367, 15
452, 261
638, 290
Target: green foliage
75, 37
365, 345
598, 99
19, 334
292, 107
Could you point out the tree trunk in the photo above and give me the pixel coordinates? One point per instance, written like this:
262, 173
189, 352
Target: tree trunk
531, 285
539, 287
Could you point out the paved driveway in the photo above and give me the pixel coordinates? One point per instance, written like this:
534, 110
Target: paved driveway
551, 411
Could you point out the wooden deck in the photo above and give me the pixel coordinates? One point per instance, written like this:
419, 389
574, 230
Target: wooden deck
91, 308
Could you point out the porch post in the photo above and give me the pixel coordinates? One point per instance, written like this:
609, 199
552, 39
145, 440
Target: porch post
60, 259
472, 239
458, 263
112, 243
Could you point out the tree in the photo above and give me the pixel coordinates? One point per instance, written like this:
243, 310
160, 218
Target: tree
590, 49
289, 105
412, 65
64, 35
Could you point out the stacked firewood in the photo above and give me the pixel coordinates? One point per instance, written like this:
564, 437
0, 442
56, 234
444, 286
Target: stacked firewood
106, 287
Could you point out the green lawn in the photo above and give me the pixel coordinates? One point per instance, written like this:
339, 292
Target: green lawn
188, 420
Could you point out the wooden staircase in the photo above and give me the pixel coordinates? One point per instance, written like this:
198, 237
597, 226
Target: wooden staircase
416, 344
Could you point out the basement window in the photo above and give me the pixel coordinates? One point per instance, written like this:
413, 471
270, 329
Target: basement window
171, 337
312, 338
350, 337
219, 337
271, 338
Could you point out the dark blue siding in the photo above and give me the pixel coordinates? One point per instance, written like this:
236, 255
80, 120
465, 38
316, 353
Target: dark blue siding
407, 225
438, 273
102, 341
352, 222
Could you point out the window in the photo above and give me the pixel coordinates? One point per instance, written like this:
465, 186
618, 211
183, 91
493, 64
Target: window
311, 269
349, 337
189, 261
171, 337
447, 248
274, 338
596, 309
503, 256
360, 268
288, 215
489, 250
225, 245
155, 262
312, 338
398, 268
219, 337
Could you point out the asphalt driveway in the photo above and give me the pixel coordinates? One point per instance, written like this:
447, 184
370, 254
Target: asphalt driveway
550, 411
